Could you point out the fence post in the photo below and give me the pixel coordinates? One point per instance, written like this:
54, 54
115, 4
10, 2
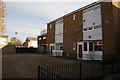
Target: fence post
103, 63
112, 66
80, 70
38, 72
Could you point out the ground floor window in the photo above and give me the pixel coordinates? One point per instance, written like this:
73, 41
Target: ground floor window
59, 46
85, 46
93, 46
98, 46
90, 46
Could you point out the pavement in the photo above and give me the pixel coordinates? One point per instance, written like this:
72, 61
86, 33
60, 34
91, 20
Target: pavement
26, 66
113, 77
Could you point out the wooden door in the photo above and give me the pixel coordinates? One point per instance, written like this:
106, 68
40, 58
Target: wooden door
80, 51
51, 51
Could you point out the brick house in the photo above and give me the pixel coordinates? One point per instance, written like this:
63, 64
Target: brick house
3, 41
31, 42
89, 33
42, 42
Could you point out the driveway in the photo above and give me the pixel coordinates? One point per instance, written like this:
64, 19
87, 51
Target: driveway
25, 65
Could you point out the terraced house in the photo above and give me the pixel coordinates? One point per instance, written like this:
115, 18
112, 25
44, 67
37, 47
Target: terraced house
90, 33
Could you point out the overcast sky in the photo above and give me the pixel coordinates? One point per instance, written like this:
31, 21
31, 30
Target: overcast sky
29, 17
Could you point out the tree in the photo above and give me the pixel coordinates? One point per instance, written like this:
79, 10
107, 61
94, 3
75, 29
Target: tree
2, 16
15, 41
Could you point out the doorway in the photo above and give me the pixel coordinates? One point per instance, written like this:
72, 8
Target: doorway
80, 50
51, 50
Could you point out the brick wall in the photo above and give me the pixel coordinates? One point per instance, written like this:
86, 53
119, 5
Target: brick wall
9, 49
109, 32
72, 33
50, 35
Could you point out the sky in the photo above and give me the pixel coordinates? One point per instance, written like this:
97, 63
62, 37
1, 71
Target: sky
29, 17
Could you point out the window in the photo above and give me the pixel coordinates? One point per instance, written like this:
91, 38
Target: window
85, 46
87, 11
57, 46
90, 46
61, 47
40, 38
50, 25
96, 8
44, 37
74, 46
98, 46
73, 16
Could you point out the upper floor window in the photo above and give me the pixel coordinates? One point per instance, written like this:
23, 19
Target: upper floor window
73, 16
40, 38
74, 46
92, 9
96, 8
44, 37
50, 25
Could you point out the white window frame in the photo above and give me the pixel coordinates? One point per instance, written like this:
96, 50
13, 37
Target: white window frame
44, 37
50, 25
40, 38
74, 16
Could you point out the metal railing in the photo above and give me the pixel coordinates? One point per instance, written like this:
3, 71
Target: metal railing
80, 70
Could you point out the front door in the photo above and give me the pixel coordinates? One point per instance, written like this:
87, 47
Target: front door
51, 51
79, 50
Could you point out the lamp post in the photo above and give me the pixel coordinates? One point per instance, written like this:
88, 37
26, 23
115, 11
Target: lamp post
16, 37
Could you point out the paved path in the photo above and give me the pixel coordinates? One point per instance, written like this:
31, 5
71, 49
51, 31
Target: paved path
25, 65
113, 77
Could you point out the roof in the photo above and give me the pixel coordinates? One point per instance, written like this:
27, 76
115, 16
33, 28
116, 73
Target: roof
80, 9
45, 34
32, 38
4, 36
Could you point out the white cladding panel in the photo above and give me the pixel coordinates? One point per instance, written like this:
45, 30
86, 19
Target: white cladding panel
92, 55
59, 31
92, 16
95, 34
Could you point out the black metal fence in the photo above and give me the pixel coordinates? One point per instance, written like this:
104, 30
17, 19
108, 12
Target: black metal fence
26, 50
84, 70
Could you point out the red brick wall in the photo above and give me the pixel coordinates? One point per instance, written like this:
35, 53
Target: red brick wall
109, 35
72, 33
116, 26
41, 42
9, 49
50, 35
